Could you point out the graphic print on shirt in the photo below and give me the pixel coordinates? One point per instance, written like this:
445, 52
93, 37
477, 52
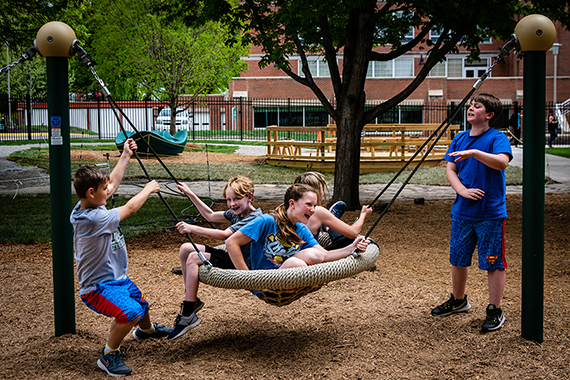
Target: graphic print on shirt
278, 251
117, 241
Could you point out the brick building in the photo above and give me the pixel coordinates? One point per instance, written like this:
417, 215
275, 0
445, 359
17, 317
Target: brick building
447, 83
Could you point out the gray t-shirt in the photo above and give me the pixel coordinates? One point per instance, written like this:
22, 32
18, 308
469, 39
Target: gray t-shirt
238, 222
99, 246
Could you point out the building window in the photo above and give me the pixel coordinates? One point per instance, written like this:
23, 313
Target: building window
409, 36
476, 68
317, 67
402, 114
434, 34
404, 67
282, 116
401, 67
455, 67
460, 68
438, 70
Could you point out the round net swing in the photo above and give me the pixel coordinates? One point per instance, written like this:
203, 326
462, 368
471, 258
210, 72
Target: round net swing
283, 286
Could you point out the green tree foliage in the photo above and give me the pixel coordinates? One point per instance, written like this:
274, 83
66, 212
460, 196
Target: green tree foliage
346, 33
141, 52
21, 19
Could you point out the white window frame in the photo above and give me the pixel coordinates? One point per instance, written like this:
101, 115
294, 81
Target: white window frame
464, 68
321, 65
392, 66
476, 69
434, 34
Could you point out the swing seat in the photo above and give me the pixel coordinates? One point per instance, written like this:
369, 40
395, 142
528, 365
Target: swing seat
282, 286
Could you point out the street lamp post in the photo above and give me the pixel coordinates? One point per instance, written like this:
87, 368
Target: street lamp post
555, 47
9, 121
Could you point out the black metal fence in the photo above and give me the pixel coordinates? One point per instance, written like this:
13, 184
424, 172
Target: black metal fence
211, 117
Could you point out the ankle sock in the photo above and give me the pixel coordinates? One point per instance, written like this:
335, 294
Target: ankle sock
188, 308
148, 331
109, 349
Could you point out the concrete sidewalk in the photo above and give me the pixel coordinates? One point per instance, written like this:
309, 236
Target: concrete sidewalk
16, 179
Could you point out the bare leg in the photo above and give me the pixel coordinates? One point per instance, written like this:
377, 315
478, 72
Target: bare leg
496, 280
459, 281
293, 262
118, 332
190, 273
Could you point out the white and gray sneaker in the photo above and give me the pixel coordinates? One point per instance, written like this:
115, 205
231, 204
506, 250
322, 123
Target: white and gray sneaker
183, 324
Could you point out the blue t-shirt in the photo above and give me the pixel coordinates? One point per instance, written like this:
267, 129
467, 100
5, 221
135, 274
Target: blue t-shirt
237, 223
475, 174
266, 248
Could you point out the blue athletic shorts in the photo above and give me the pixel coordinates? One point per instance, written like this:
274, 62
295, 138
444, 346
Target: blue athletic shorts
487, 235
119, 299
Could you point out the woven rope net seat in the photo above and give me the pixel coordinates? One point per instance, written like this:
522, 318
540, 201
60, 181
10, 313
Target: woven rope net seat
283, 286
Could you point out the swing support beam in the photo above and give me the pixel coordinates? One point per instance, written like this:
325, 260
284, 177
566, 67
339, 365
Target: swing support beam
54, 41
536, 34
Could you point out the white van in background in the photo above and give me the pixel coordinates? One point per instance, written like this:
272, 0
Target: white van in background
163, 120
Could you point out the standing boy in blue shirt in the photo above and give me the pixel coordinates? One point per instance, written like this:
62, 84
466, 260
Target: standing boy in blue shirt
477, 159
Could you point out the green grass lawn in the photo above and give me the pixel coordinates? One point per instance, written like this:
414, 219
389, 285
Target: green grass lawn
562, 152
26, 219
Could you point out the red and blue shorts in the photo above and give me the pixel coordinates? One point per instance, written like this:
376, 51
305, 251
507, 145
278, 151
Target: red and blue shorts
487, 235
120, 299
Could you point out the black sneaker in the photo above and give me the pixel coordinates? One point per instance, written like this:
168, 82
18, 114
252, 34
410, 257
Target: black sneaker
451, 306
199, 305
112, 363
159, 332
182, 324
495, 319
177, 270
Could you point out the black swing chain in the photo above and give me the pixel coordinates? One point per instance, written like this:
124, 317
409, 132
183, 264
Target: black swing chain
503, 52
83, 56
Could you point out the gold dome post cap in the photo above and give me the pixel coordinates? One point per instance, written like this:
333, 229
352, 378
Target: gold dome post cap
535, 33
54, 39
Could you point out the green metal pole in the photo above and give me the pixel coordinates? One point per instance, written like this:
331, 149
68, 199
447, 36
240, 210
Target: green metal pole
533, 196
60, 195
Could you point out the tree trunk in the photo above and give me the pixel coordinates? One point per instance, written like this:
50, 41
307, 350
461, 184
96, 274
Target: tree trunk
347, 163
173, 106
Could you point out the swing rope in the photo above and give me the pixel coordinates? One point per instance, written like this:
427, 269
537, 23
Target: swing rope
82, 54
314, 276
440, 131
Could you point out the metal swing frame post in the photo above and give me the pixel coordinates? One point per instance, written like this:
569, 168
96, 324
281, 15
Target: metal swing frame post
60, 195
54, 41
536, 34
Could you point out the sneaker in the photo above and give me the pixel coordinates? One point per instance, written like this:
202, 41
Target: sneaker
199, 305
112, 363
338, 209
183, 324
177, 270
159, 332
451, 306
495, 319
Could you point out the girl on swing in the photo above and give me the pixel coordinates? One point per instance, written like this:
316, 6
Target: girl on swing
341, 233
281, 238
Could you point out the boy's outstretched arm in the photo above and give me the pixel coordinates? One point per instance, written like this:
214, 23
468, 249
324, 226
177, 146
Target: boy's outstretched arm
212, 233
205, 211
138, 200
116, 175
494, 161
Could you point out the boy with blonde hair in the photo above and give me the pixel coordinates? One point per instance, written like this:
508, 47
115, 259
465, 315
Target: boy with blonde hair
101, 258
238, 193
